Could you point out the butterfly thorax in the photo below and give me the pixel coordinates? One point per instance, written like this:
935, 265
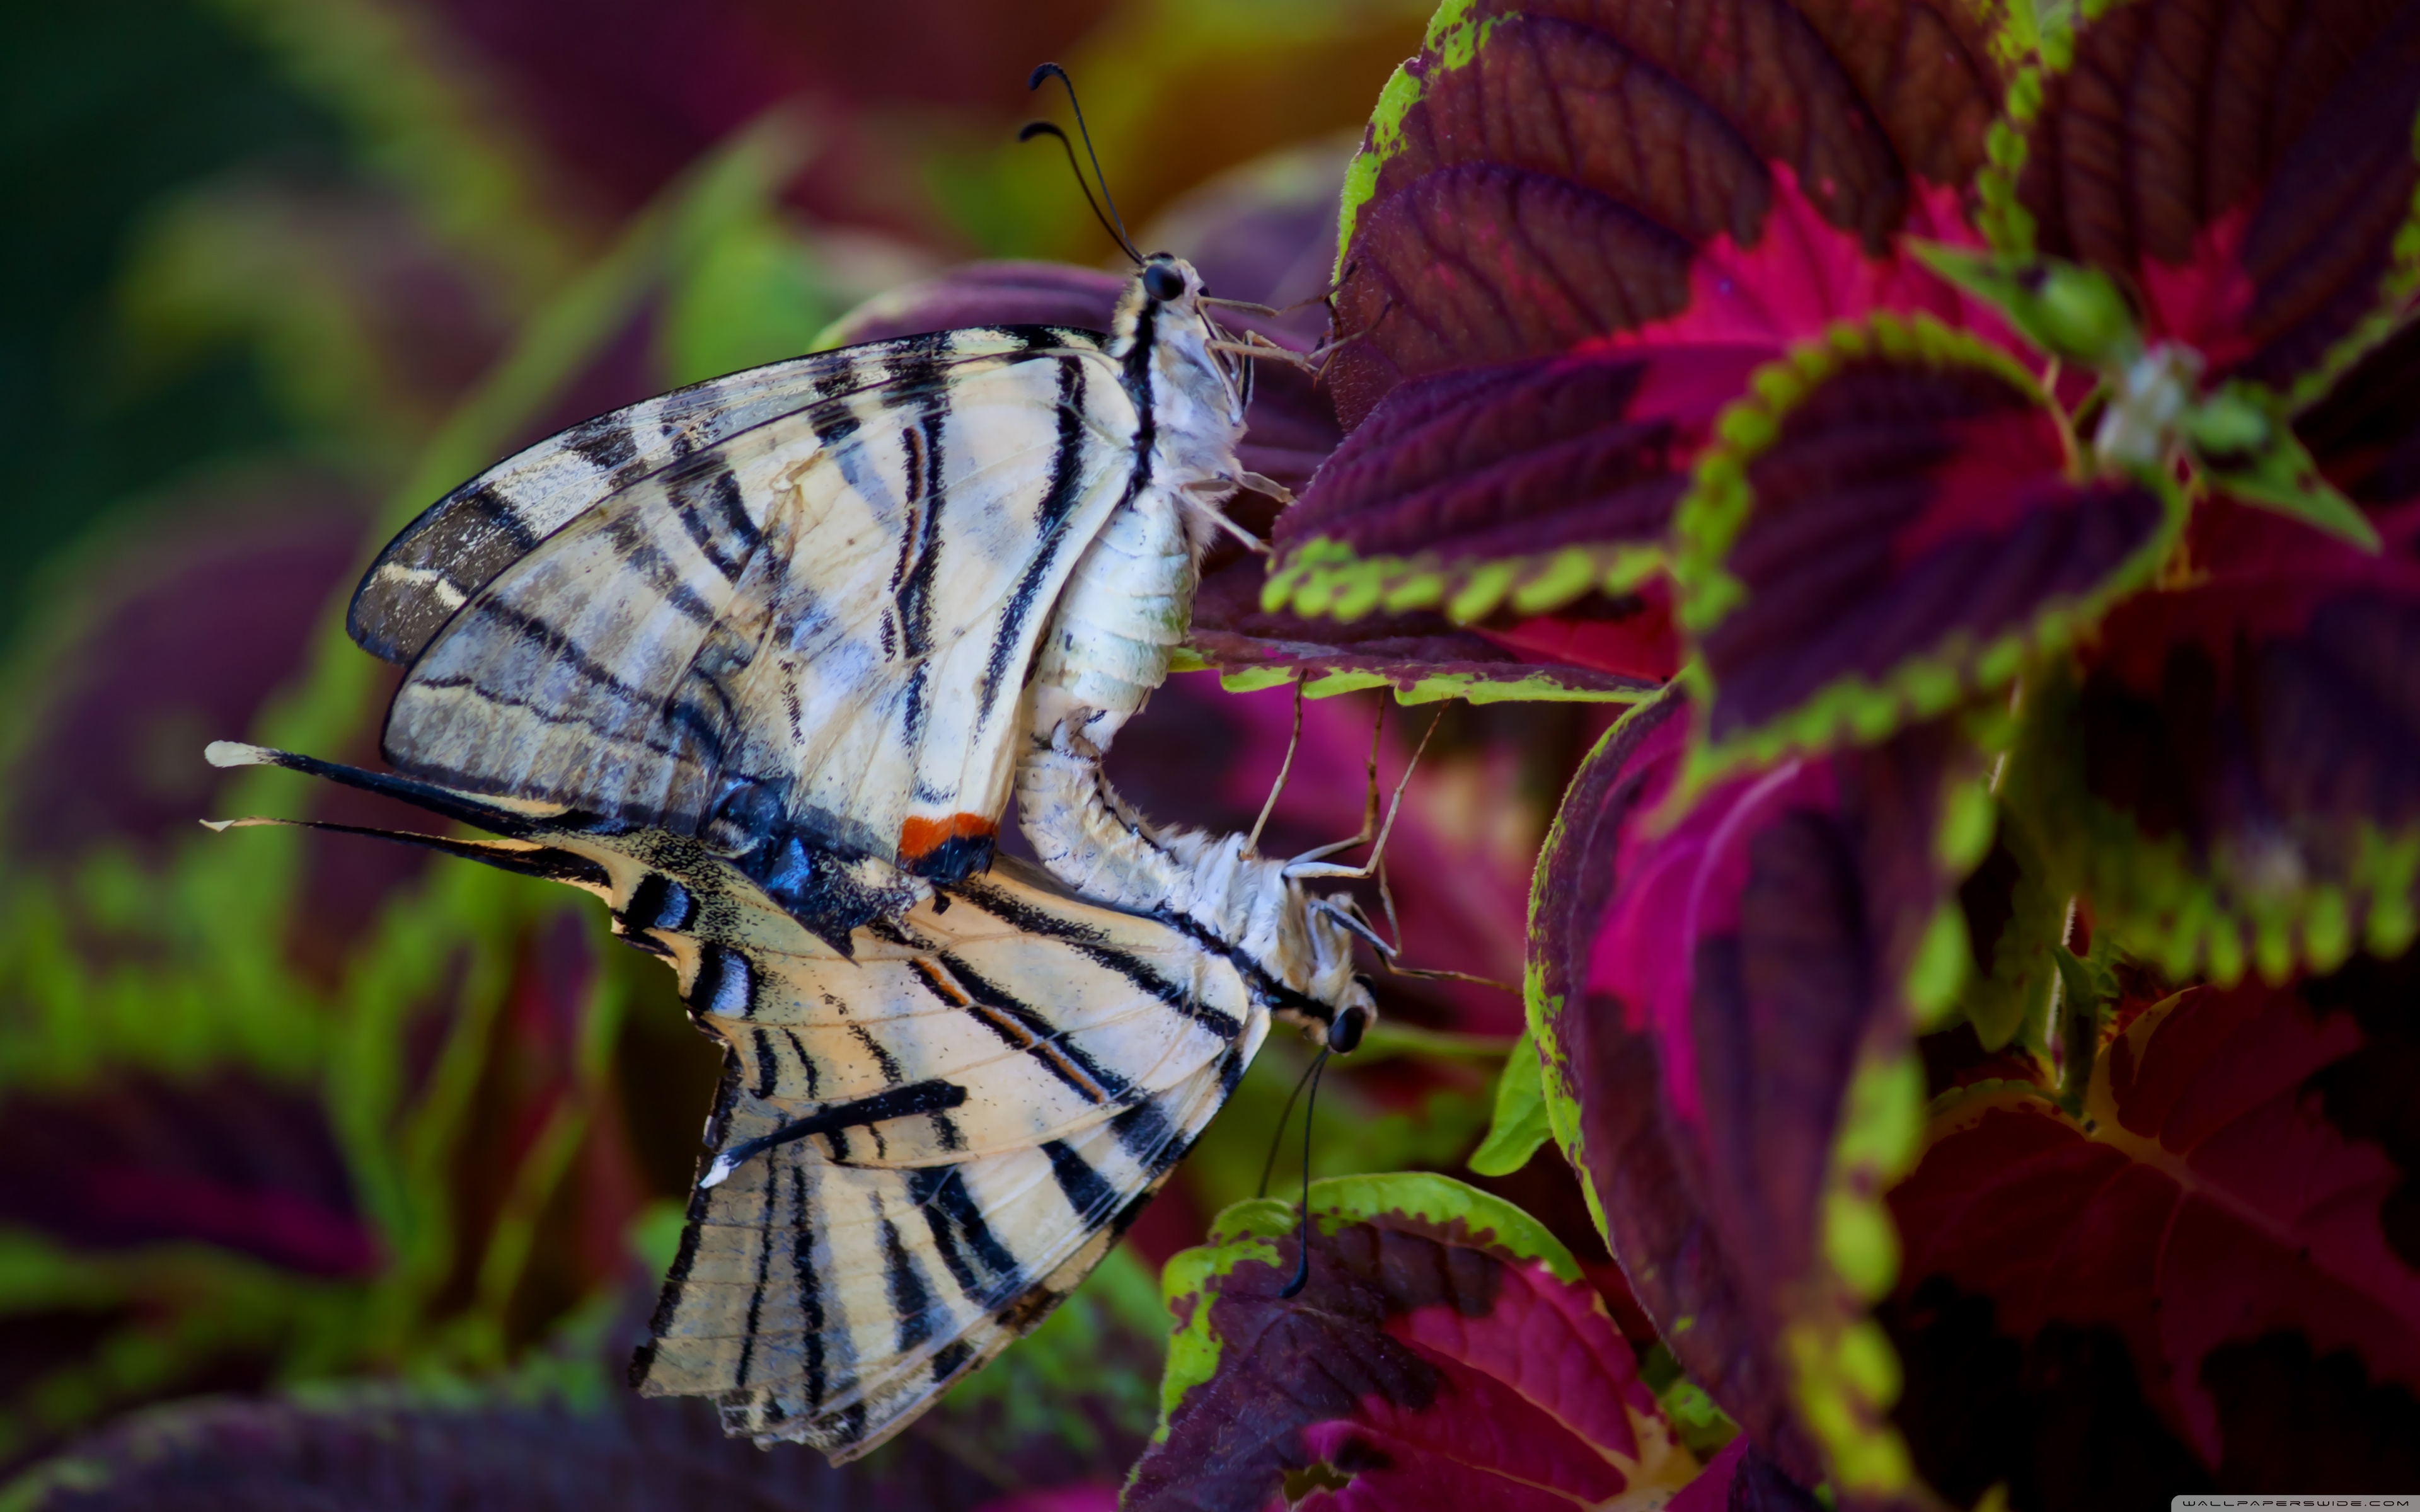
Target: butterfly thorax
1292, 950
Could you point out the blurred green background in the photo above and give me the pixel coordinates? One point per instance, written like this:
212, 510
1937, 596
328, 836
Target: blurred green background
277, 1108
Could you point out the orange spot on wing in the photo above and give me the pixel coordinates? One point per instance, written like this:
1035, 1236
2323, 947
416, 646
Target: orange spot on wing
920, 837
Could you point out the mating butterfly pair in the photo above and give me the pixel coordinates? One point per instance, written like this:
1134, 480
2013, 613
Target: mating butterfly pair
758, 662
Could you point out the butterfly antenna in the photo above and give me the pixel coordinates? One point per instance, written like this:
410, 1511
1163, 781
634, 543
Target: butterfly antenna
1116, 223
1035, 129
1302, 1265
1277, 1137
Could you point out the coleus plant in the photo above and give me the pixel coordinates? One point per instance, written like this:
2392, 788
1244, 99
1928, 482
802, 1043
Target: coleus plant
1973, 988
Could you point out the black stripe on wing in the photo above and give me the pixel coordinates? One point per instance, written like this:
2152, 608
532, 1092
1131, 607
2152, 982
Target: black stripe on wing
457, 545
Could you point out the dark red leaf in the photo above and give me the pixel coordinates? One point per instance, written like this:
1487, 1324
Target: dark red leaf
1445, 1351
1550, 174
1728, 994
2238, 777
2213, 1281
1534, 483
2245, 172
1904, 531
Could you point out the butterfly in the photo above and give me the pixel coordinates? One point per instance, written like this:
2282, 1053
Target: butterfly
804, 614
921, 1145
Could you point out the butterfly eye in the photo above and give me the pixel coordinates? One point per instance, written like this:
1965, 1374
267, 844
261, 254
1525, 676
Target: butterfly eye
1344, 1034
1162, 281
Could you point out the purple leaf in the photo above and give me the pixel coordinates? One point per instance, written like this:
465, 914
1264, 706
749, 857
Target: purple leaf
1891, 528
1533, 483
2247, 179
1727, 993
2237, 777
1550, 175
1446, 1350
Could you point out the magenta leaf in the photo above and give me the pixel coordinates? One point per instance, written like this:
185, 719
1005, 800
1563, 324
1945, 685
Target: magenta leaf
1727, 995
2247, 179
1520, 486
2209, 1282
2236, 778
1446, 1350
1552, 174
1891, 526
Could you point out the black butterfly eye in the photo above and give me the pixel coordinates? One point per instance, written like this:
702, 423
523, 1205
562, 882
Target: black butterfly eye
1344, 1033
1162, 281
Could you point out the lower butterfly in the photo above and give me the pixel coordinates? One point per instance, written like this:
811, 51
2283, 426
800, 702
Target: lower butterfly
930, 1131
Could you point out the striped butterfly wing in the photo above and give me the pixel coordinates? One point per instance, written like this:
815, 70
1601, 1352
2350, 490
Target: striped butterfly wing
919, 1148
791, 609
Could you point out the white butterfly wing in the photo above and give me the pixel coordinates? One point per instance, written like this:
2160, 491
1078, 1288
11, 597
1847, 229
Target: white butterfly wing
813, 625
916, 1153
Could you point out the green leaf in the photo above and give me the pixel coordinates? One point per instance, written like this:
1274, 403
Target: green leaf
1520, 1125
2274, 471
2072, 312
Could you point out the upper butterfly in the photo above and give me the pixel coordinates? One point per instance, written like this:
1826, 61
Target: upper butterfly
794, 611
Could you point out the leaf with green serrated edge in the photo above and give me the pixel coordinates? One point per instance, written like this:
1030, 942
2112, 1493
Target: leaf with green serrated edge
1551, 173
1421, 654
1520, 1124
1445, 1347
2252, 184
1728, 995
2232, 778
1525, 485
1888, 530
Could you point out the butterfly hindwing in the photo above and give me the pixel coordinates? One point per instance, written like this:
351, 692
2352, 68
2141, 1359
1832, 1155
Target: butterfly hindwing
809, 618
828, 1303
920, 1147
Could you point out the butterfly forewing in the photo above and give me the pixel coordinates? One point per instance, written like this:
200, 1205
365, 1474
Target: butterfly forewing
815, 624
464, 539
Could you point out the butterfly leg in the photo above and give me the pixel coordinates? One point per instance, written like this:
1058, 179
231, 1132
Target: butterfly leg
1217, 515
1297, 867
1285, 768
1312, 863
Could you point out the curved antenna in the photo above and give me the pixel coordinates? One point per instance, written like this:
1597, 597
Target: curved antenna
1302, 1245
1052, 70
1035, 129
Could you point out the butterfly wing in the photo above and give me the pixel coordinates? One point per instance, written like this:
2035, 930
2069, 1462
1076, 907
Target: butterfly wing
807, 617
917, 1151
830, 1302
